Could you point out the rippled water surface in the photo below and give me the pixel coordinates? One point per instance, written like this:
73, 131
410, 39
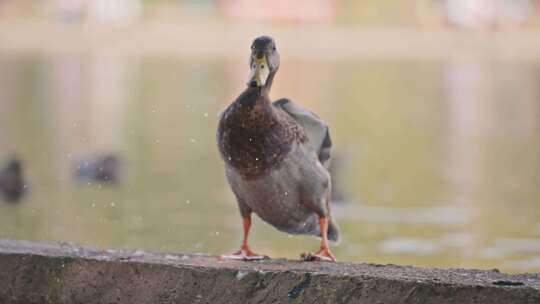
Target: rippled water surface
437, 163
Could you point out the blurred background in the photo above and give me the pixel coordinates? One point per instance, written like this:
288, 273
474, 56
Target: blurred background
108, 113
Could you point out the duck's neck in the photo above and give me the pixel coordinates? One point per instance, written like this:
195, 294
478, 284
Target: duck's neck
268, 85
253, 96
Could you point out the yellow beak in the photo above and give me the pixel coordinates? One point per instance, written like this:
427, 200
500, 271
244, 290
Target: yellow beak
259, 71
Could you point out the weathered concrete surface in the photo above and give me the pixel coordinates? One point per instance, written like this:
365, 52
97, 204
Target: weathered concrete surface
38, 272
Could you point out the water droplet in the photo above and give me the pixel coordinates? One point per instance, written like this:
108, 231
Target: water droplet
188, 202
205, 114
112, 204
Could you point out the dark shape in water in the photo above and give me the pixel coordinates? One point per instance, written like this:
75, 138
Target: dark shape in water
339, 195
12, 184
106, 168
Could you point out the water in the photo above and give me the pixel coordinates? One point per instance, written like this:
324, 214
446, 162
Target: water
438, 161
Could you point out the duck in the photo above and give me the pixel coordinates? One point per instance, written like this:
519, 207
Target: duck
12, 184
104, 168
276, 157
339, 193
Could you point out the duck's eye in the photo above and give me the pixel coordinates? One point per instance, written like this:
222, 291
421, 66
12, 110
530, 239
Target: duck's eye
273, 48
262, 66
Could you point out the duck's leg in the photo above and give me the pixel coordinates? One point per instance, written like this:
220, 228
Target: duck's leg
245, 253
324, 253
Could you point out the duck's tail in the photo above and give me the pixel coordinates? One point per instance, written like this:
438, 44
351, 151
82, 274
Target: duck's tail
333, 231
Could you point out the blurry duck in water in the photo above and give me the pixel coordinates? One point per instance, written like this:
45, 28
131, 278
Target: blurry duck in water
104, 168
276, 159
339, 194
12, 184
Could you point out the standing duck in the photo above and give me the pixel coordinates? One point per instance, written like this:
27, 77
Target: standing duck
276, 159
12, 184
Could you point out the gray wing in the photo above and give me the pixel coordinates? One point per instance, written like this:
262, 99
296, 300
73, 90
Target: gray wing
315, 127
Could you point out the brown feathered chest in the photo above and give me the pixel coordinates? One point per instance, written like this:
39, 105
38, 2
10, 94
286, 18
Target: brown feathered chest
254, 136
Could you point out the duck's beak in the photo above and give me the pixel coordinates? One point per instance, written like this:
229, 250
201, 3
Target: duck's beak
259, 70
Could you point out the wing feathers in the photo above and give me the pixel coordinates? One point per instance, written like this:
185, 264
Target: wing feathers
315, 127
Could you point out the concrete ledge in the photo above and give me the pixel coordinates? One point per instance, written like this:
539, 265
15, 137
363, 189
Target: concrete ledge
39, 272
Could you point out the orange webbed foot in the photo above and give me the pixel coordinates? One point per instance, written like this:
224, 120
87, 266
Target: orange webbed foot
244, 254
324, 254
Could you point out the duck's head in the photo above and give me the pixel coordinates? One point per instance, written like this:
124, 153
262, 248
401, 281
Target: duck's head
263, 62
